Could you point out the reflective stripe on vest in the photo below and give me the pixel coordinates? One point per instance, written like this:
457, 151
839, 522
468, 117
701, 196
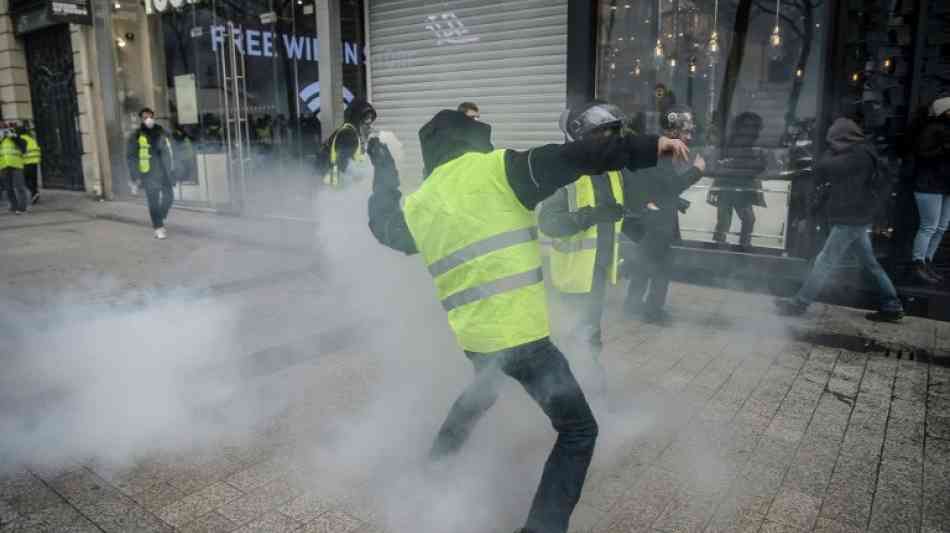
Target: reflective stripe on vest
10, 154
573, 258
481, 247
33, 152
145, 155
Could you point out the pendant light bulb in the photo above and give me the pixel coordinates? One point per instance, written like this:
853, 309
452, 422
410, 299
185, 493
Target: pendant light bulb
659, 54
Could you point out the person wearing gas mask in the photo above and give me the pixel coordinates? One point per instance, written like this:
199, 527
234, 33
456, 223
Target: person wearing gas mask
473, 222
654, 194
150, 161
932, 191
584, 221
343, 156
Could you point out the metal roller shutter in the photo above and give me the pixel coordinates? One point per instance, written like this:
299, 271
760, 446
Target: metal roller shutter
508, 57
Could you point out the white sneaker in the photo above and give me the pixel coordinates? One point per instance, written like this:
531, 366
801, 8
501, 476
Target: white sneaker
160, 233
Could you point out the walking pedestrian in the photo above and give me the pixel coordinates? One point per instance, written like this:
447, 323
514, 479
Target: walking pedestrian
150, 160
342, 158
654, 193
31, 161
735, 187
473, 222
848, 171
12, 153
932, 191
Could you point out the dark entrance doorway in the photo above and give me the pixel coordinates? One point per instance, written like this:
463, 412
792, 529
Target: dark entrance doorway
49, 60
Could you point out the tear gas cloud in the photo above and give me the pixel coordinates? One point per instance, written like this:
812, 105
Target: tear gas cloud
116, 383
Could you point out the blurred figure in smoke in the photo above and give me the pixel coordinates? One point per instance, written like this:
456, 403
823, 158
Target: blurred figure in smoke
471, 110
584, 220
846, 174
343, 157
735, 188
654, 193
473, 222
932, 190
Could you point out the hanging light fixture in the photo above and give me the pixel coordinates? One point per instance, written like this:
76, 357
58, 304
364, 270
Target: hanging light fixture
775, 40
712, 48
636, 68
659, 53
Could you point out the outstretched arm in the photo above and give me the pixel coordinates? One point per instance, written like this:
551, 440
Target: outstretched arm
386, 219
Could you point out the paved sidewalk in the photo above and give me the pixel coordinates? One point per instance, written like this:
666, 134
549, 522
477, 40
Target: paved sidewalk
732, 419
757, 424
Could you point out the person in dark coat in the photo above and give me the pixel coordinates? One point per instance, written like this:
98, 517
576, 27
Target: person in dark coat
343, 156
845, 172
735, 187
932, 190
654, 193
150, 160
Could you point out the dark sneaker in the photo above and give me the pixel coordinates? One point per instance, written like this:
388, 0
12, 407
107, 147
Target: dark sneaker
934, 273
885, 316
789, 307
920, 275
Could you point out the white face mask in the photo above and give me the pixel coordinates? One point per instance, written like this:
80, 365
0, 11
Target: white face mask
149, 122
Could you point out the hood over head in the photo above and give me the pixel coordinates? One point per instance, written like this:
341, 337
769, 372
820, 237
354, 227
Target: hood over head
844, 134
451, 134
357, 111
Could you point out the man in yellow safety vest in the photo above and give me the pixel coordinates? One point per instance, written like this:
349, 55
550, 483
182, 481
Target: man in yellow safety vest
12, 150
342, 158
472, 220
31, 161
584, 220
150, 161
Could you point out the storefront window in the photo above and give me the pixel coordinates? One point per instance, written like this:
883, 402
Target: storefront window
750, 71
276, 97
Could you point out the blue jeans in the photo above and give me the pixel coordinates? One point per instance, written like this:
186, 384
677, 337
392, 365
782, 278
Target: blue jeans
546, 376
839, 241
934, 216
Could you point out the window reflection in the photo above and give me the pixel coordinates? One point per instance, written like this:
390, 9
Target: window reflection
750, 72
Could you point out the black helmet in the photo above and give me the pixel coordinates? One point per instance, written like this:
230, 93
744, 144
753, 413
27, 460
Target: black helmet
597, 115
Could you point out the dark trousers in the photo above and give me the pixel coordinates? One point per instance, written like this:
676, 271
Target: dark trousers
724, 221
11, 181
650, 275
160, 195
545, 374
590, 307
31, 175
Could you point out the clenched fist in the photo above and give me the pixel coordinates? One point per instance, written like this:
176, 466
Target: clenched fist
672, 147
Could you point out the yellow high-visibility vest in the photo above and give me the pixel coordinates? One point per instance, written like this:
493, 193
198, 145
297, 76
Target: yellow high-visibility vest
145, 154
573, 258
10, 154
332, 177
481, 247
34, 154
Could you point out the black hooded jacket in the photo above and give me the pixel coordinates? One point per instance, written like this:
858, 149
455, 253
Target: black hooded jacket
847, 168
933, 157
533, 175
160, 147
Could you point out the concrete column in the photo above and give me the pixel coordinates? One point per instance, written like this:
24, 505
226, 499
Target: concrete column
114, 173
14, 83
90, 118
331, 65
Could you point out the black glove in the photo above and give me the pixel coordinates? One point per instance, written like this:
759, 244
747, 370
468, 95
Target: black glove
379, 153
586, 217
682, 205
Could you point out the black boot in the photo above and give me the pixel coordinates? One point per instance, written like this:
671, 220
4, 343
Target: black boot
932, 270
920, 275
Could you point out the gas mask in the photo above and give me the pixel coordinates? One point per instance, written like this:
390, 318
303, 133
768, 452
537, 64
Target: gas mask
149, 122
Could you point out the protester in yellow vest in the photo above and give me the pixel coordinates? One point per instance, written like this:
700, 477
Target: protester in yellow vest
584, 219
12, 151
342, 159
150, 159
472, 220
31, 161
